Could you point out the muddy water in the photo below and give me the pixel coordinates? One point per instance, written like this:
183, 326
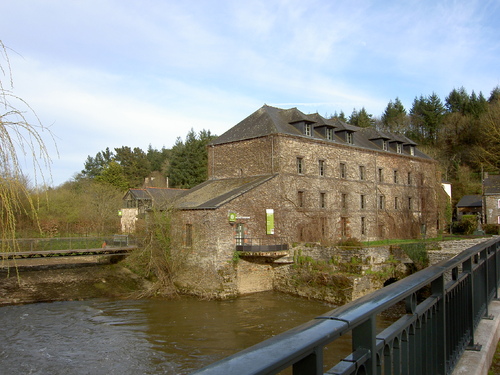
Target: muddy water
141, 337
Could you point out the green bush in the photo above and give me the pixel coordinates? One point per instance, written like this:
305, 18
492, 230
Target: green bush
491, 228
417, 252
467, 225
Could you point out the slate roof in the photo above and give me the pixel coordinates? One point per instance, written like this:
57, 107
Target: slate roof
470, 201
212, 194
491, 185
271, 120
157, 195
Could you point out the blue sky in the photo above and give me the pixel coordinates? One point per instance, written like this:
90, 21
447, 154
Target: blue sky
112, 73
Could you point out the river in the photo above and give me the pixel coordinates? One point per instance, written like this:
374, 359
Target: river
141, 336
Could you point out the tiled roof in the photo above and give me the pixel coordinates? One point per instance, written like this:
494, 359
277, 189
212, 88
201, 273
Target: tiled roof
470, 201
212, 194
269, 120
159, 196
492, 185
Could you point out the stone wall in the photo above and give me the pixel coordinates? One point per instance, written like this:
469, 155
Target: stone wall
381, 195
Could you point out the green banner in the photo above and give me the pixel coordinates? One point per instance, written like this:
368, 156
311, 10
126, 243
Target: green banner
269, 221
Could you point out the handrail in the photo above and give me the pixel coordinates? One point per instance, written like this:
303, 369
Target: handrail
428, 339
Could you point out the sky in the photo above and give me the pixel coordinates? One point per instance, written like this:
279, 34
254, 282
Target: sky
113, 73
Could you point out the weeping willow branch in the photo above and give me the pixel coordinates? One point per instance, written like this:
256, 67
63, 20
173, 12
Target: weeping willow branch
21, 143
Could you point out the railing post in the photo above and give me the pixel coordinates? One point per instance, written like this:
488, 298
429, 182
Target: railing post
365, 336
310, 365
439, 327
467, 268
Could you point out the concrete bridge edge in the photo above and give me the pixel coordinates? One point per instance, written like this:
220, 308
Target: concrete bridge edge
487, 334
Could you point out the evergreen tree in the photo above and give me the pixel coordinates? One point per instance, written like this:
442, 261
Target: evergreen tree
457, 101
135, 164
95, 165
394, 118
494, 95
361, 118
188, 162
157, 158
114, 175
426, 117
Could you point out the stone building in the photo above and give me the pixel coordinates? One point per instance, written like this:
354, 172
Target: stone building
491, 196
281, 176
137, 202
469, 205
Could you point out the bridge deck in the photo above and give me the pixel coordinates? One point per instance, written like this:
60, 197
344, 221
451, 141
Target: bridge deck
70, 252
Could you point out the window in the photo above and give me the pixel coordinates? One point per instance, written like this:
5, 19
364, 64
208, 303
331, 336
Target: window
410, 203
322, 200
395, 177
300, 165
343, 202
189, 235
362, 202
329, 134
409, 178
396, 203
307, 129
399, 148
499, 203
362, 172
384, 145
363, 225
321, 167
300, 198
349, 138
380, 175
498, 220
342, 170
343, 226
381, 202
412, 150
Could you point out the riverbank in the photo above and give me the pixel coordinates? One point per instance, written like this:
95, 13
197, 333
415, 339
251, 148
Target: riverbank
68, 283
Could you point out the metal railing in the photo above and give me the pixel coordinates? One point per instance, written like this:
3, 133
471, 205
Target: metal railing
66, 243
261, 244
428, 338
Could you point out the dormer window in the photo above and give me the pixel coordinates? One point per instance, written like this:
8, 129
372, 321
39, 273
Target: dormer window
329, 134
384, 145
349, 138
399, 148
307, 129
412, 150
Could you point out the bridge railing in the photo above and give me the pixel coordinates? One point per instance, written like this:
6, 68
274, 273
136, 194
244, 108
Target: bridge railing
443, 304
66, 243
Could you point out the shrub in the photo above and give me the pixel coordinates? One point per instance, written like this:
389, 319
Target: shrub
491, 228
467, 225
417, 252
354, 242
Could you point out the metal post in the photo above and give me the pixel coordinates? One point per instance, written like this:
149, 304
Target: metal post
364, 336
439, 334
310, 365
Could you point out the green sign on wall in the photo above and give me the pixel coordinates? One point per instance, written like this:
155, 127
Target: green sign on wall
269, 221
232, 217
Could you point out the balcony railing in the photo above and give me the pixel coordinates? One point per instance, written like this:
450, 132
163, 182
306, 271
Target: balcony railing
263, 244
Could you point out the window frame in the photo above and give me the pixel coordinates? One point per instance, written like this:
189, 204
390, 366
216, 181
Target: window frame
300, 165
343, 170
308, 129
362, 172
300, 198
321, 167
